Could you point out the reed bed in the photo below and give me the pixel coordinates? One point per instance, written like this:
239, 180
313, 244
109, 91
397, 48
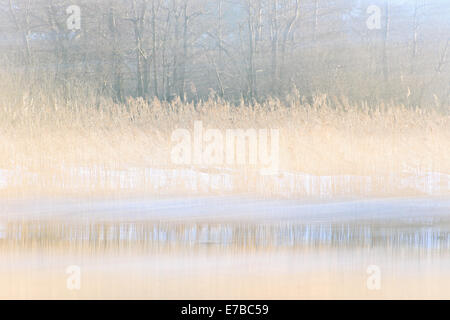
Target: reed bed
49, 135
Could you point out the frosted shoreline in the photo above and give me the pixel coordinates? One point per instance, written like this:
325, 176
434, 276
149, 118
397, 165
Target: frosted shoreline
223, 181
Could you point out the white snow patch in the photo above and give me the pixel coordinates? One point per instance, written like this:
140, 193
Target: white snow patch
3, 178
225, 181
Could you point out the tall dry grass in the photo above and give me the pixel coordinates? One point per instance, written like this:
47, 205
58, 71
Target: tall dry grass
45, 132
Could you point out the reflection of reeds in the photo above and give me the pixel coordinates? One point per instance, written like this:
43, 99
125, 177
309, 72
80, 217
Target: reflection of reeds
172, 236
49, 141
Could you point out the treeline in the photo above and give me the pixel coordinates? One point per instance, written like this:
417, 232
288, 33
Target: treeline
236, 49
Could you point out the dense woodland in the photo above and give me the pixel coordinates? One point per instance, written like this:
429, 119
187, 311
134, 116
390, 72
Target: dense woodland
234, 49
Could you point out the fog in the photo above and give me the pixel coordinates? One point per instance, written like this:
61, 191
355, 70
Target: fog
365, 50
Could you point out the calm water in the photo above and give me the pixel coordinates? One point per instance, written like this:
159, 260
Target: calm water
218, 258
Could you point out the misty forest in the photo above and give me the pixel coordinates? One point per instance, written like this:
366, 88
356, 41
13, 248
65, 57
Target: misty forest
364, 50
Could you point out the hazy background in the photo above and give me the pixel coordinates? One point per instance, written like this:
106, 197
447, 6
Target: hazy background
247, 49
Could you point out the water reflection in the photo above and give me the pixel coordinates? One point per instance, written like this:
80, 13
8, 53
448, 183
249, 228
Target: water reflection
433, 234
